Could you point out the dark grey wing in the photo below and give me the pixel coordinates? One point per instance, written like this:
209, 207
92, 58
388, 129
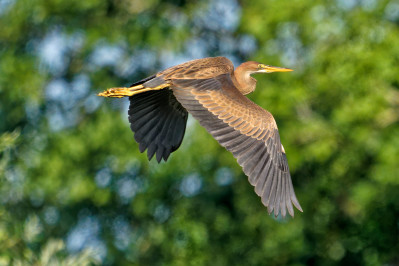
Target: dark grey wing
246, 130
158, 121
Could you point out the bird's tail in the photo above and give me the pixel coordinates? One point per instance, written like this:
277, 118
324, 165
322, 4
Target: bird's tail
148, 84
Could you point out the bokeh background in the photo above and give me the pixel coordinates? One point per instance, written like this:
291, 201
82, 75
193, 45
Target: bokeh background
75, 190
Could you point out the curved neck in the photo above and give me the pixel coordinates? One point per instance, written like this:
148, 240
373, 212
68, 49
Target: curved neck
245, 83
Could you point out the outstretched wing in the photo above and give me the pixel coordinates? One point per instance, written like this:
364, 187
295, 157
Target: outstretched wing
158, 121
246, 130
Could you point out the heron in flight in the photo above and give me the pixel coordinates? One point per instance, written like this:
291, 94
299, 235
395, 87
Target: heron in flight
213, 93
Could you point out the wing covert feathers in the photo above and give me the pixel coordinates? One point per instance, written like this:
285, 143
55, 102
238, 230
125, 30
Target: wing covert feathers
248, 131
199, 69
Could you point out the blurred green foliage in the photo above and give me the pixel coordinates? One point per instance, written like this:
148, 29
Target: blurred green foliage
71, 171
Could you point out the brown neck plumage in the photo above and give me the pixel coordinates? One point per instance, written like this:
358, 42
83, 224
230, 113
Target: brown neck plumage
245, 83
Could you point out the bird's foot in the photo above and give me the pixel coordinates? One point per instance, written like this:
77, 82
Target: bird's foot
117, 92
126, 92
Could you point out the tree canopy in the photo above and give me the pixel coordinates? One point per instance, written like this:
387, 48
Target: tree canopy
74, 188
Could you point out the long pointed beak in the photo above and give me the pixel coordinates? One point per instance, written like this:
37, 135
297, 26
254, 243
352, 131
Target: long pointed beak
270, 69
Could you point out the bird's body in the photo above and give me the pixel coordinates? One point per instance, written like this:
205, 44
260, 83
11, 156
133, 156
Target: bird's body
213, 93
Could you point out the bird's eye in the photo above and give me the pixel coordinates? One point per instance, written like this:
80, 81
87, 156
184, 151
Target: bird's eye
260, 66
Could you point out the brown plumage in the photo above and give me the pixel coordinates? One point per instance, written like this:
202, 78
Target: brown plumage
213, 93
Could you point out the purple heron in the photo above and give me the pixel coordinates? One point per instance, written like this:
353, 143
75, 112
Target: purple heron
213, 93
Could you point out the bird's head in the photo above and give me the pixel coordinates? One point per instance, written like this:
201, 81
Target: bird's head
255, 67
246, 83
